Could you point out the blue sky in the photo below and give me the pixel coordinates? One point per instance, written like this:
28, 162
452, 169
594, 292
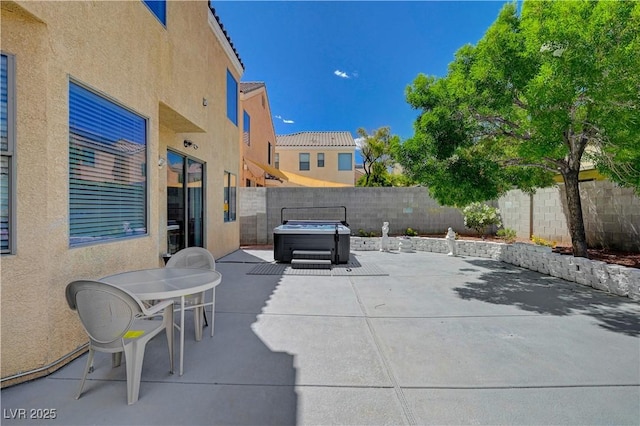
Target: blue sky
339, 66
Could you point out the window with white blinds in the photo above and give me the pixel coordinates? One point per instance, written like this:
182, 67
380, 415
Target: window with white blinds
246, 128
107, 169
304, 159
7, 147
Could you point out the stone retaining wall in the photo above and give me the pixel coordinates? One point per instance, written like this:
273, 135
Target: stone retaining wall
614, 279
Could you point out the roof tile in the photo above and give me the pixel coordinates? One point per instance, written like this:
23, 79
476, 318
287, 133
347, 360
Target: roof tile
249, 86
215, 15
316, 139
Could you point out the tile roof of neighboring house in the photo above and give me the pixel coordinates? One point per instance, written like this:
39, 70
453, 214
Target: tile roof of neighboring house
316, 139
215, 15
249, 86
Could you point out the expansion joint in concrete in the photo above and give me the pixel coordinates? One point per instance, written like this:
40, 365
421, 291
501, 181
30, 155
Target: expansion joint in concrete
406, 409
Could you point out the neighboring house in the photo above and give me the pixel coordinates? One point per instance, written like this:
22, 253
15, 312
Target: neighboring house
258, 138
359, 172
119, 128
317, 158
588, 171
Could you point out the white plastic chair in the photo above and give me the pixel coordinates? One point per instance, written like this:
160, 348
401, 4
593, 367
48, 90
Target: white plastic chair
195, 257
116, 322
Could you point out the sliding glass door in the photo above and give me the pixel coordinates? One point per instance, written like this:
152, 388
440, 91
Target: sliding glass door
185, 202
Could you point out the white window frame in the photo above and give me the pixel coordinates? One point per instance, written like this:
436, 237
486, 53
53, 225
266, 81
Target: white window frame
308, 162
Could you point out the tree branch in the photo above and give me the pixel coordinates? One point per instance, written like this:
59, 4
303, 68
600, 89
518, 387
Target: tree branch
503, 126
503, 132
521, 163
517, 102
495, 119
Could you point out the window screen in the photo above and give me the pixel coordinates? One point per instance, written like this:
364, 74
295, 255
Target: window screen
345, 161
304, 161
7, 147
107, 169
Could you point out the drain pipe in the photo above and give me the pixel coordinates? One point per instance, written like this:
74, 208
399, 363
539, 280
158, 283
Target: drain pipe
46, 367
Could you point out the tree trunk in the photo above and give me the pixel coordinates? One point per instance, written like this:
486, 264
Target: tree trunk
575, 219
367, 172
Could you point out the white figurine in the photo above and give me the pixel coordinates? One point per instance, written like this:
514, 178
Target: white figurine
384, 243
451, 241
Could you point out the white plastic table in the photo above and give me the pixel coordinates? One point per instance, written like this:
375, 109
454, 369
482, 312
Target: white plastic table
169, 283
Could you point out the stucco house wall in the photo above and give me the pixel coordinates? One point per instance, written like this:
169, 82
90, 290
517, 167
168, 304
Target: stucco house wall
163, 73
289, 147
289, 161
254, 100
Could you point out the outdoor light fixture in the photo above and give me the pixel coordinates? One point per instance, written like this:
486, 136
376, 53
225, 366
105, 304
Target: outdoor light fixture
188, 143
161, 161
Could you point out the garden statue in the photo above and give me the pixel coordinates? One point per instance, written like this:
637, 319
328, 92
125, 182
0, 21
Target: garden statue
451, 241
384, 243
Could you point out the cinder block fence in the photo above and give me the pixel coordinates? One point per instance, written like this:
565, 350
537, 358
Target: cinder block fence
611, 213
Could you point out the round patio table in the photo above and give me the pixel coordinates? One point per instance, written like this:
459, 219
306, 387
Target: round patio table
170, 283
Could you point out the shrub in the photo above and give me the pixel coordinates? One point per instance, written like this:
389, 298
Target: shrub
542, 242
507, 234
480, 216
363, 233
411, 232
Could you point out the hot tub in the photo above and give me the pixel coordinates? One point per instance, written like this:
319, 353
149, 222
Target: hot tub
310, 235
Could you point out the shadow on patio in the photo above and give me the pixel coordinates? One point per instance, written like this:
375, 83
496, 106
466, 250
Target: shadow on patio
230, 378
535, 292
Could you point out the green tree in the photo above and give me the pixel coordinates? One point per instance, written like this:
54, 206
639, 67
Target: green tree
376, 151
544, 91
378, 176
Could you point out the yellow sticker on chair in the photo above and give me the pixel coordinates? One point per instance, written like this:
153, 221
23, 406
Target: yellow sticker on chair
132, 334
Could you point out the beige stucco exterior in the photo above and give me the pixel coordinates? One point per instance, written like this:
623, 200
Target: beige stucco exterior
289, 162
262, 138
164, 74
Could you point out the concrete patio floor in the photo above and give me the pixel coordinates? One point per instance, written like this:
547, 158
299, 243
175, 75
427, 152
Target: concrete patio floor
439, 340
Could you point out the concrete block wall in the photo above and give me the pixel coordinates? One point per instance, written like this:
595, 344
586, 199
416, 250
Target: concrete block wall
612, 216
252, 215
367, 208
548, 211
515, 210
614, 279
611, 213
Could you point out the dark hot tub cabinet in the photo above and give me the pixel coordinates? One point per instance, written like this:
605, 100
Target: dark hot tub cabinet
310, 241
